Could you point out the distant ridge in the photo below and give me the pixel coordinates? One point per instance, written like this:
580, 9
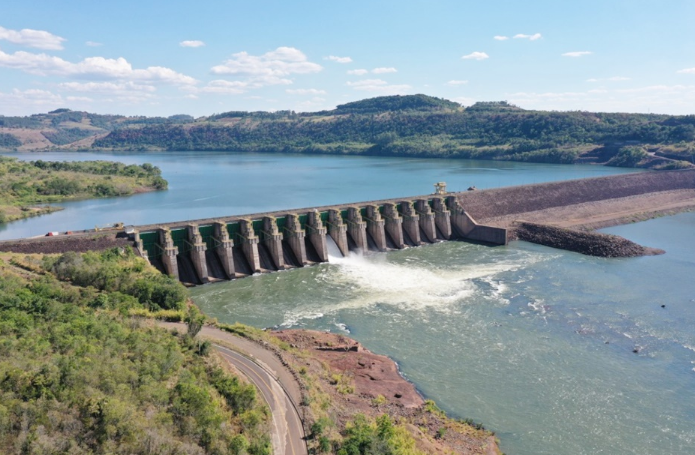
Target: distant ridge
408, 126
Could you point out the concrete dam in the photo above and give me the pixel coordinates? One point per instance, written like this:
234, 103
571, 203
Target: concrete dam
202, 251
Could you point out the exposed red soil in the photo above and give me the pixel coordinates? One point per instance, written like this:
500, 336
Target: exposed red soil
378, 388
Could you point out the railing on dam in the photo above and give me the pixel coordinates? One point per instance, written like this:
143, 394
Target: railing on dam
234, 247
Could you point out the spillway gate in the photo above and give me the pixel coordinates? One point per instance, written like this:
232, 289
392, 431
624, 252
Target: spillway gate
198, 252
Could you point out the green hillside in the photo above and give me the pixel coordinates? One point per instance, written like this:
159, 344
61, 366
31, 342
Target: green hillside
414, 125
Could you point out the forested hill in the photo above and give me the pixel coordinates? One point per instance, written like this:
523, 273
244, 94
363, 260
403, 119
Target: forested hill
414, 125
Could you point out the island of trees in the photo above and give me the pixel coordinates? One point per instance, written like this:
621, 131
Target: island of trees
413, 125
28, 188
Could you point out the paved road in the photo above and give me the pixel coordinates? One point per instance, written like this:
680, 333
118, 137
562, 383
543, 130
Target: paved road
287, 430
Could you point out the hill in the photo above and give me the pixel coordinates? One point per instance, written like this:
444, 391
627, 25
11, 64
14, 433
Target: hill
414, 125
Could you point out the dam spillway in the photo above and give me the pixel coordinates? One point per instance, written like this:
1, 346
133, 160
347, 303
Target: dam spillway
202, 251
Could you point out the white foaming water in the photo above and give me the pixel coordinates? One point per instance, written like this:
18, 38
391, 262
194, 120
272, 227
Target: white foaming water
373, 280
333, 250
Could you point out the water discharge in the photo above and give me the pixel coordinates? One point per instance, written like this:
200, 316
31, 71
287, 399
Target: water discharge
536, 343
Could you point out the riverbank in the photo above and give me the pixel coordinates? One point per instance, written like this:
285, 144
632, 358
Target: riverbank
28, 188
333, 379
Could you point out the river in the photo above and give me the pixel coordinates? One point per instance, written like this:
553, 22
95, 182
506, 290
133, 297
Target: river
558, 353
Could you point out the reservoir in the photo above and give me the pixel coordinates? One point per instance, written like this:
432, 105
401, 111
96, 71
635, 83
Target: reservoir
558, 353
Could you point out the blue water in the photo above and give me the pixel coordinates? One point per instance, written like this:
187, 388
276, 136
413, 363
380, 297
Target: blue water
537, 344
214, 184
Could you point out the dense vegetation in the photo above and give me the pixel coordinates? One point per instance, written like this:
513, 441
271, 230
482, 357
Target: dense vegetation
23, 184
78, 376
415, 125
429, 127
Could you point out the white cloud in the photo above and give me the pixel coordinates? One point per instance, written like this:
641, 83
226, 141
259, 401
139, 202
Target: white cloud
91, 68
106, 87
686, 71
533, 37
191, 43
379, 86
476, 56
333, 58
32, 38
500, 37
360, 72
668, 99
611, 79
454, 83
93, 44
577, 54
384, 70
305, 91
224, 87
271, 68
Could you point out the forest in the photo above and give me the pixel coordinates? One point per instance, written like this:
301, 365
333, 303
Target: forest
412, 126
79, 375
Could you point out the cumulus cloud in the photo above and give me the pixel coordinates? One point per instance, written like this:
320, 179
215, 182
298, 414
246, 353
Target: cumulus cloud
106, 87
384, 70
379, 86
191, 43
686, 71
454, 83
533, 37
360, 72
93, 44
91, 68
305, 91
271, 68
577, 54
333, 58
668, 99
476, 56
224, 87
500, 37
39, 39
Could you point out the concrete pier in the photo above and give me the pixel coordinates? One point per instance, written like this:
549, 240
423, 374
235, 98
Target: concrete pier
169, 252
197, 253
442, 217
317, 234
427, 225
357, 228
465, 227
249, 244
376, 227
273, 240
294, 235
224, 248
338, 231
411, 222
394, 225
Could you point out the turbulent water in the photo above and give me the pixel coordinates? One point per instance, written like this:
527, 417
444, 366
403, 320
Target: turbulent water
535, 343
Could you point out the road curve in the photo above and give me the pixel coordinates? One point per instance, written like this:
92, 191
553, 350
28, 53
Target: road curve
287, 430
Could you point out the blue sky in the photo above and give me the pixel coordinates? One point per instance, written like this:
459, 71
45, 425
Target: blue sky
173, 57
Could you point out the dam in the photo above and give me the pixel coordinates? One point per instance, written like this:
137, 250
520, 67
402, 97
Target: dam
202, 251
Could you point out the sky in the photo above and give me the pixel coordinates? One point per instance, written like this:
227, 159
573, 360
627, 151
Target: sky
161, 58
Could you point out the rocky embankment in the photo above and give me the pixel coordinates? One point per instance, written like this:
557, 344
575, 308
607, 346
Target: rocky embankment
589, 243
348, 380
